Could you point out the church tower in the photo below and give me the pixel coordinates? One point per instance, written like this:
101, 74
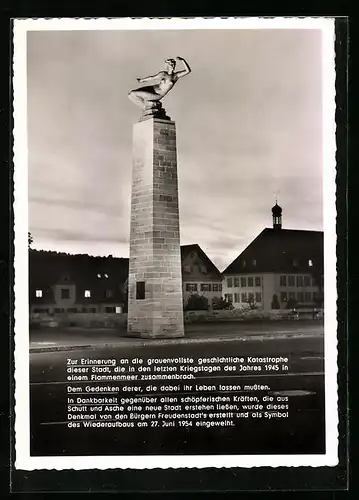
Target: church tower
277, 216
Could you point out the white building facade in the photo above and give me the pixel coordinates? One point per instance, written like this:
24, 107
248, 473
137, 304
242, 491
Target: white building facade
280, 268
258, 289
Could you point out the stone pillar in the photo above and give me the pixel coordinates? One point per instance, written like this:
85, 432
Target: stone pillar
155, 306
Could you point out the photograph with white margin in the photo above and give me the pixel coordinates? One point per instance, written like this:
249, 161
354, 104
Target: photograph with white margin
175, 243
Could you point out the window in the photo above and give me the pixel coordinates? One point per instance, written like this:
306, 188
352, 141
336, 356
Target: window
306, 281
191, 287
72, 310
109, 309
229, 282
204, 269
308, 297
236, 282
84, 310
228, 297
140, 290
92, 309
295, 263
57, 310
118, 309
99, 275
315, 296
310, 263
39, 293
244, 263
187, 269
244, 296
291, 295
283, 296
291, 280
299, 280
251, 297
206, 287
250, 281
283, 281
87, 294
258, 297
236, 297
109, 294
220, 287
65, 293
257, 281
215, 287
254, 262
243, 282
300, 297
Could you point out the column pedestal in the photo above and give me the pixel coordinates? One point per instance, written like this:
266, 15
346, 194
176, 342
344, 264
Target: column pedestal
155, 307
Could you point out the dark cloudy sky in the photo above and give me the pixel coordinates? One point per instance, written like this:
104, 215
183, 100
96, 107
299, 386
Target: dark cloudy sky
248, 127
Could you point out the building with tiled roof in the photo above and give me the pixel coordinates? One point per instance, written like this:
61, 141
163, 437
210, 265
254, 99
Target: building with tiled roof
279, 268
76, 283
199, 274
62, 282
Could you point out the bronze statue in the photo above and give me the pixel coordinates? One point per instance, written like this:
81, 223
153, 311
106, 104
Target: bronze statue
148, 98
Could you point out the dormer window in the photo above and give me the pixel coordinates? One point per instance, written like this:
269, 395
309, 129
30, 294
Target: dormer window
39, 294
254, 262
87, 294
244, 263
295, 262
310, 263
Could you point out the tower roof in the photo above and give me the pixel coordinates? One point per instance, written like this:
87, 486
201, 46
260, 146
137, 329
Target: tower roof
276, 210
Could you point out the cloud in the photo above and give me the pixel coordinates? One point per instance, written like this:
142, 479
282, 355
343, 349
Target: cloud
78, 205
78, 236
248, 123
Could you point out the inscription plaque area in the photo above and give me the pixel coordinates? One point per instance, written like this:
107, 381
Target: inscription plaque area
155, 306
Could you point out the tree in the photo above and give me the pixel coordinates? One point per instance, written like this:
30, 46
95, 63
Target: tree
197, 302
291, 304
30, 239
251, 301
219, 303
275, 302
317, 272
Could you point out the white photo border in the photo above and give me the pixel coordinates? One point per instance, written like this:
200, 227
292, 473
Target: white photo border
23, 460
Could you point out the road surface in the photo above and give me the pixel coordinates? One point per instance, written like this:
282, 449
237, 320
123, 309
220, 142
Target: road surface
196, 332
302, 432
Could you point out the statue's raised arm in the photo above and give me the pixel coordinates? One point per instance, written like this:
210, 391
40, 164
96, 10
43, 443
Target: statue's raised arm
184, 72
147, 98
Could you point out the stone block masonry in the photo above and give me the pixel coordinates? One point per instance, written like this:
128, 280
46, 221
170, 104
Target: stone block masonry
155, 306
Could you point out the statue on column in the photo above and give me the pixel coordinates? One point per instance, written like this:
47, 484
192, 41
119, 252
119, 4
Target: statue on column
148, 98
